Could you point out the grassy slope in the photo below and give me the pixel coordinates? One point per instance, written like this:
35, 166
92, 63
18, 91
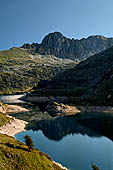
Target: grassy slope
14, 155
4, 119
20, 71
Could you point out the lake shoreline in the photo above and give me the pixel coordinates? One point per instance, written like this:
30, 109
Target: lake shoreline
46, 99
62, 100
14, 127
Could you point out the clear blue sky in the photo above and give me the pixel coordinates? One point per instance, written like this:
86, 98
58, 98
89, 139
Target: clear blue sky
23, 21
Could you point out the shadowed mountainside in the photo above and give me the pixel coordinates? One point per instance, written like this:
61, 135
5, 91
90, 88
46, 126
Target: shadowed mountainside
91, 81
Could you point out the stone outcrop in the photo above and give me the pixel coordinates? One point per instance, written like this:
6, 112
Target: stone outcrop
62, 47
60, 109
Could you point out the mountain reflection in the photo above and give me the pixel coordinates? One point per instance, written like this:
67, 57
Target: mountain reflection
91, 124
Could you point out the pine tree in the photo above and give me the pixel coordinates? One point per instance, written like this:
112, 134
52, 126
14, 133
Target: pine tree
29, 142
94, 167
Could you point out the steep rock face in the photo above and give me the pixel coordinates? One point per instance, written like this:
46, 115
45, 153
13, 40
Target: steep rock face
62, 47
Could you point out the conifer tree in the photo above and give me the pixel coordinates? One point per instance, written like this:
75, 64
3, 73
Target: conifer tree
29, 142
94, 167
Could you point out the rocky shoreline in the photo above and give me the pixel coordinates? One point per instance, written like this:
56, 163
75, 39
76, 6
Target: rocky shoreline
17, 126
60, 100
58, 164
98, 109
59, 109
14, 127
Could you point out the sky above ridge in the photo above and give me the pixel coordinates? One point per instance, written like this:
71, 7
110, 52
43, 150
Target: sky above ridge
27, 21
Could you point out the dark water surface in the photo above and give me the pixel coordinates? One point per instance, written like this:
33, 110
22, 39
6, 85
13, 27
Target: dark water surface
73, 141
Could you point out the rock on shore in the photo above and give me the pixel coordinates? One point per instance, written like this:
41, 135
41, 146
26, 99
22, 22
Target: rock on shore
61, 109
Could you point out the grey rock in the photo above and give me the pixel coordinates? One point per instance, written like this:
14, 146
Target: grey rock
62, 47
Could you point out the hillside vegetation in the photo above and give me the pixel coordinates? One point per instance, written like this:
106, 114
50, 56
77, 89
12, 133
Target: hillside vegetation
4, 119
90, 82
15, 155
20, 71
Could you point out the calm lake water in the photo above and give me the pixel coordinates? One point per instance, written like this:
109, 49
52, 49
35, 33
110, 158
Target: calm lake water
74, 141
75, 151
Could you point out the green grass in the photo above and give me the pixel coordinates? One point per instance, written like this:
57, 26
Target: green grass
15, 155
4, 119
20, 71
13, 52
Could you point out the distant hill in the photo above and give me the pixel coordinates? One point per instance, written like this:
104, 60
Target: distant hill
58, 45
20, 71
90, 81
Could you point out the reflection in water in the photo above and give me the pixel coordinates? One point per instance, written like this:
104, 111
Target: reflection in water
91, 124
73, 151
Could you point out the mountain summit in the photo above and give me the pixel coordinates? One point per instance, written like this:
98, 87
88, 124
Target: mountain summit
60, 46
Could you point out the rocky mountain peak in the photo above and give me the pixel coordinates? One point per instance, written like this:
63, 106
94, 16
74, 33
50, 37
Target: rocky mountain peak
58, 45
53, 39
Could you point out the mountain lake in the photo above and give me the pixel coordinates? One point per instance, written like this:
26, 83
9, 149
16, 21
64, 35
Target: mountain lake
74, 141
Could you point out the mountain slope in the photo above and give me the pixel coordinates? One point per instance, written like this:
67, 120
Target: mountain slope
15, 155
62, 47
20, 71
92, 80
